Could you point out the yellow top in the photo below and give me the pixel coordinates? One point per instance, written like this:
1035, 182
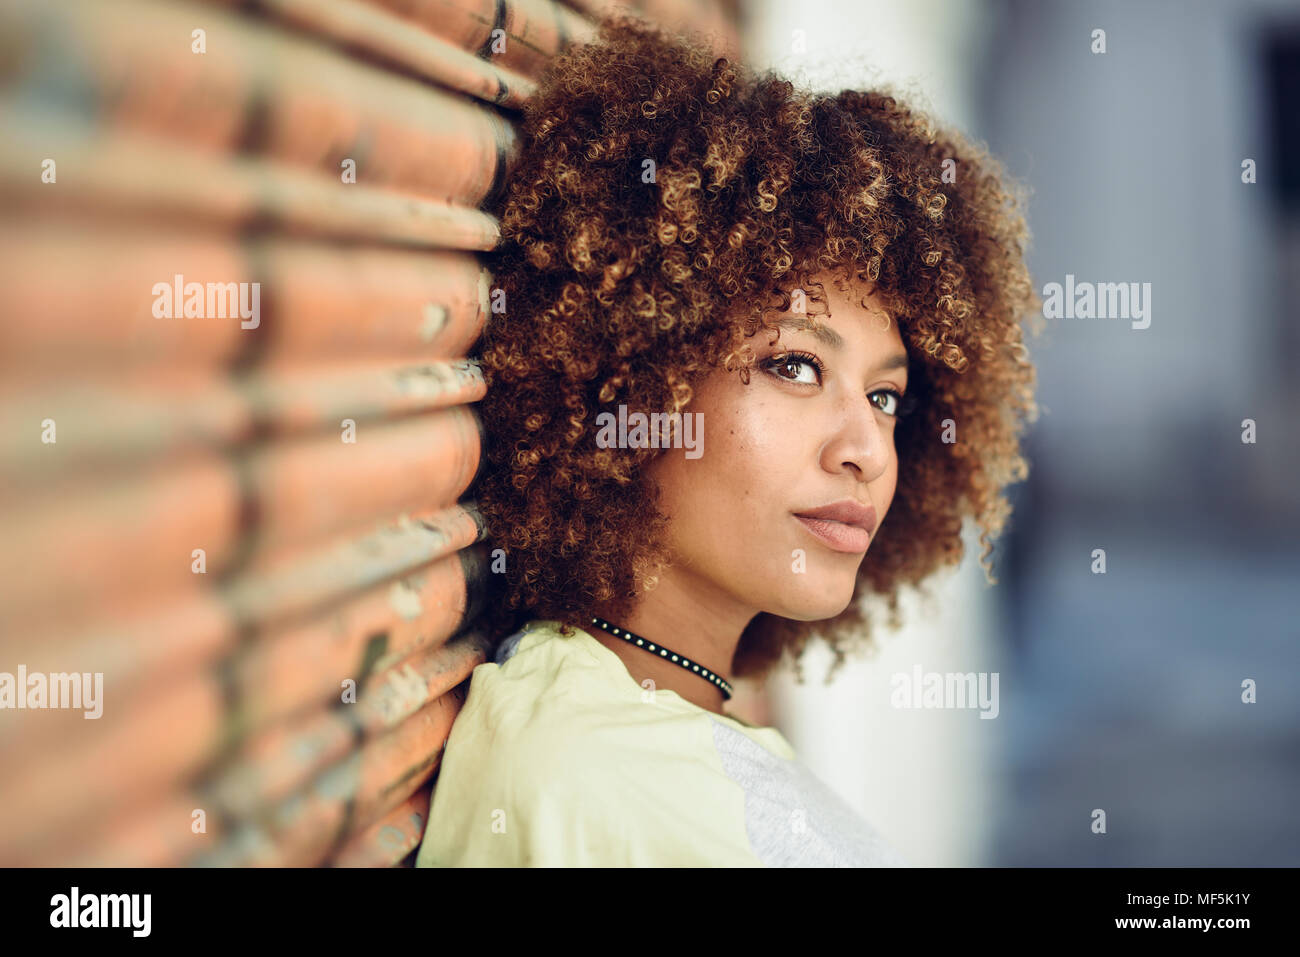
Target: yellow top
559, 758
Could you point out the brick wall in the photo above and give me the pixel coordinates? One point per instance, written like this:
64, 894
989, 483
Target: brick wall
237, 502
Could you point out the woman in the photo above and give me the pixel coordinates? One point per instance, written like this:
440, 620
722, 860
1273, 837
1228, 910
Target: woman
760, 356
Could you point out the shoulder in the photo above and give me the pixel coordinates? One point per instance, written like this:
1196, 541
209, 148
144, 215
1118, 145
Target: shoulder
794, 819
543, 691
551, 764
551, 713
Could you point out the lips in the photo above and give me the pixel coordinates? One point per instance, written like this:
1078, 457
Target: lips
844, 526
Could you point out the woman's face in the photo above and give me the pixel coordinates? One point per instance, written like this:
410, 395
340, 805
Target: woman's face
791, 441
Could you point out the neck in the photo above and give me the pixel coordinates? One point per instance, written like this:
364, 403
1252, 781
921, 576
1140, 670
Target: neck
689, 617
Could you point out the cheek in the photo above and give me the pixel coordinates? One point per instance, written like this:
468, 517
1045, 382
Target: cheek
753, 432
750, 462
722, 496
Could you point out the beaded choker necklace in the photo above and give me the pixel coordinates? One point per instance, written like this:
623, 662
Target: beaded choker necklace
666, 653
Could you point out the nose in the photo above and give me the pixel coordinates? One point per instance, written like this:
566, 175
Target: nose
857, 441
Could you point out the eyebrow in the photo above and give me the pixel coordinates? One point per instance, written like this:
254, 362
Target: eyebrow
896, 361
823, 334
830, 337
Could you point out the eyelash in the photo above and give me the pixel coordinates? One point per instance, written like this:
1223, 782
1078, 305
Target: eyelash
906, 403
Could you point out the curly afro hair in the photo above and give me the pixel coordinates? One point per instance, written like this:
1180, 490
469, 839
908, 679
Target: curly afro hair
664, 205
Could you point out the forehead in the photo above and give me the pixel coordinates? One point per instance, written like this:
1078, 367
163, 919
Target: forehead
836, 310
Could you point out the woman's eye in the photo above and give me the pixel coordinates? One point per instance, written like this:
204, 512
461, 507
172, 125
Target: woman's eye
807, 370
893, 401
809, 374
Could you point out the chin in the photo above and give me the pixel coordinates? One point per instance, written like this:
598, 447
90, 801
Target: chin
815, 606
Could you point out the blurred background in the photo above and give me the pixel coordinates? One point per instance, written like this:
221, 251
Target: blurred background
240, 520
